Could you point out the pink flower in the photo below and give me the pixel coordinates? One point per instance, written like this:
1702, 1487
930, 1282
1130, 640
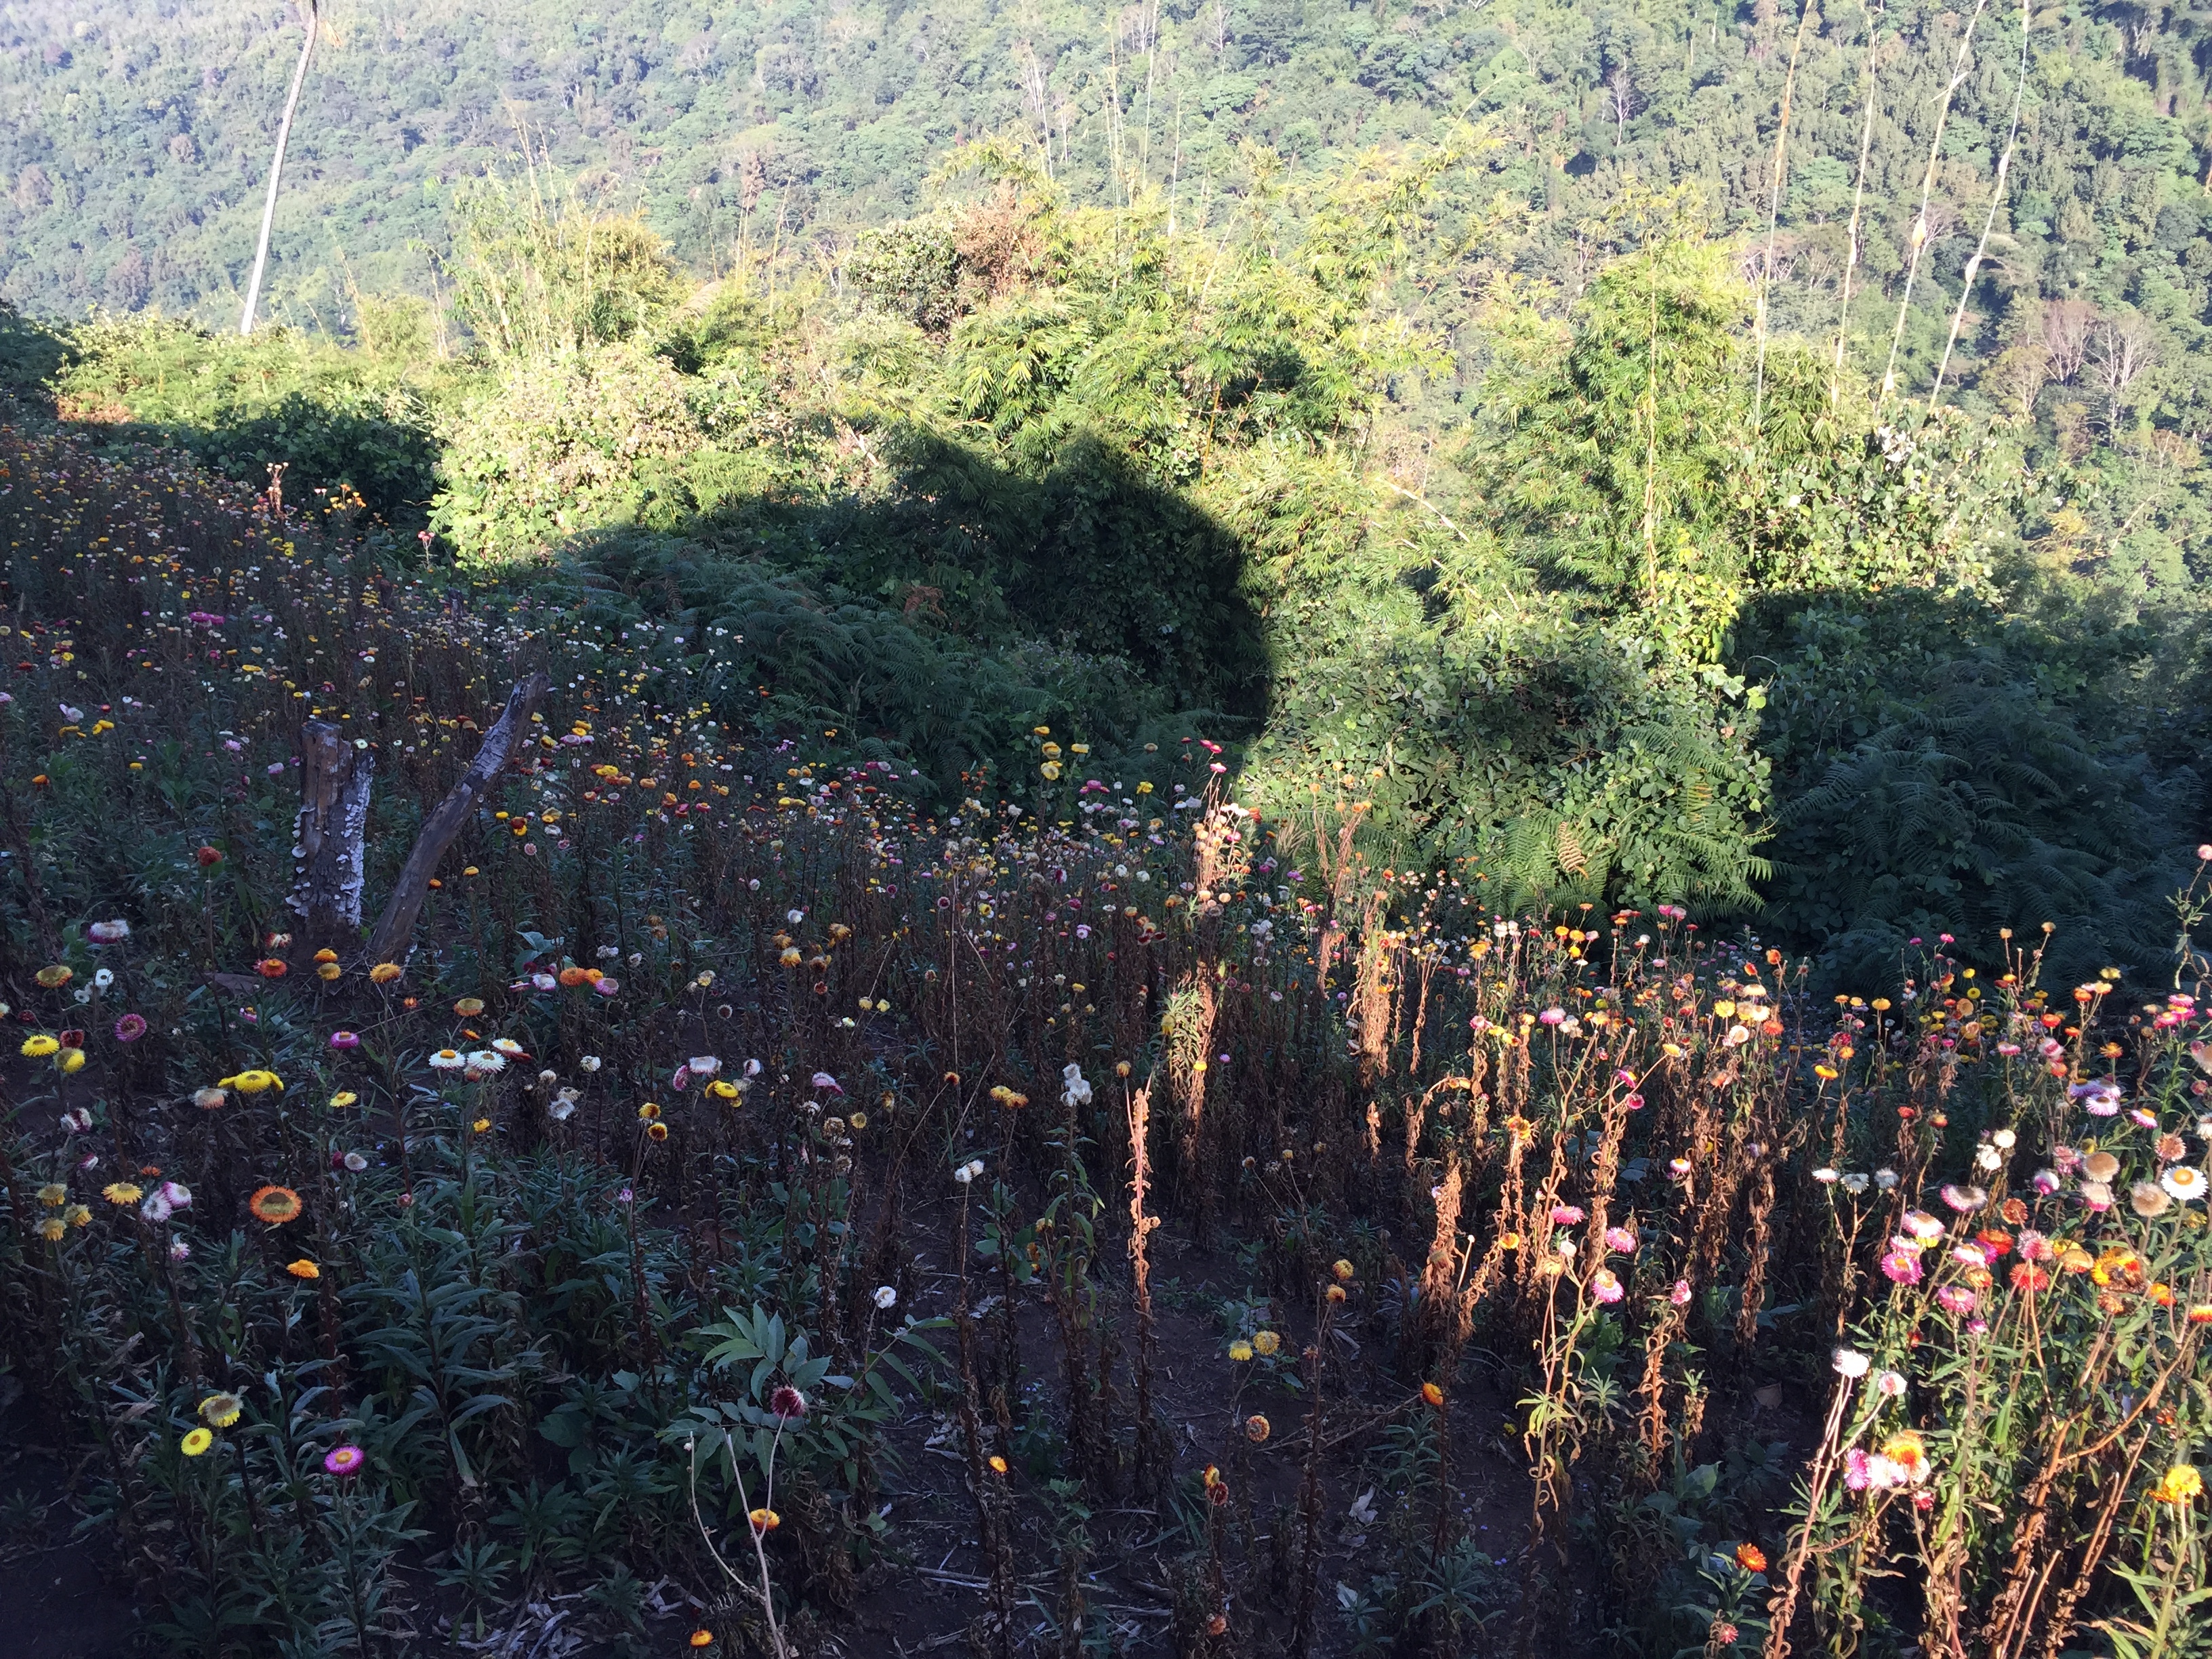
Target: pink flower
1604, 1286
825, 1081
345, 1040
606, 985
130, 1028
1565, 1215
787, 1403
1956, 1298
1552, 1016
343, 1460
1902, 1266
1892, 1384
1619, 1239
1680, 1296
1858, 1474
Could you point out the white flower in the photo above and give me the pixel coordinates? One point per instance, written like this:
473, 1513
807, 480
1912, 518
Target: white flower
1856, 1182
447, 1060
487, 1060
179, 1251
1891, 1383
2185, 1182
103, 978
885, 1296
1074, 1091
156, 1208
562, 1106
108, 932
794, 917
1885, 1179
752, 1068
1988, 1157
703, 1065
355, 1162
2004, 1139
591, 1062
1849, 1362
1826, 1177
968, 1171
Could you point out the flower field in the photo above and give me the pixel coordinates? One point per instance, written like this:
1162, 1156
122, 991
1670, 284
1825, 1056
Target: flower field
768, 1201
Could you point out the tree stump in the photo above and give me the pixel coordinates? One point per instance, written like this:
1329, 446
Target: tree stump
331, 833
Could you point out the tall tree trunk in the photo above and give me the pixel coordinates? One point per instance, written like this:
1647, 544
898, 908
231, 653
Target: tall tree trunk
277, 166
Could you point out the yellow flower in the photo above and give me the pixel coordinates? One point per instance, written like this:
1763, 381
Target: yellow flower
38, 1046
481, 1124
121, 1191
1145, 788
1266, 1342
722, 1088
2179, 1485
997, 1465
1240, 1351
1342, 1269
469, 1007
222, 1410
858, 1120
343, 1098
1051, 770
77, 1216
52, 1194
69, 1062
196, 1442
53, 978
328, 970
255, 1082
52, 1230
764, 1520
303, 1268
384, 973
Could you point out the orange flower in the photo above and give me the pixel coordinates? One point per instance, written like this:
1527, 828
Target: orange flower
275, 1205
572, 976
1432, 1394
326, 955
384, 973
271, 968
1257, 1429
304, 1268
702, 1638
1751, 1558
764, 1520
469, 1007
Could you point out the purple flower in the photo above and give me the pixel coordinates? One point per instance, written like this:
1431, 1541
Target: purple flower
345, 1040
343, 1460
130, 1028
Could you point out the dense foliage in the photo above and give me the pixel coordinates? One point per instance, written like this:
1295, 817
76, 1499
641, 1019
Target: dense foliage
715, 1213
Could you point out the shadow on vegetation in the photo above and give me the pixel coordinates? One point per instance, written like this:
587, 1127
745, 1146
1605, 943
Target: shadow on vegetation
1941, 770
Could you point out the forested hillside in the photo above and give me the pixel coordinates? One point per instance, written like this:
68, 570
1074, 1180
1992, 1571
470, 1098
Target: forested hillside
1459, 415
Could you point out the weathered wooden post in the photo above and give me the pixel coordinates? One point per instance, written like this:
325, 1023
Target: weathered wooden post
395, 928
329, 837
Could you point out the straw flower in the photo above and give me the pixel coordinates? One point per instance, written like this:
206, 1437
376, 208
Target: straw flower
196, 1442
275, 1205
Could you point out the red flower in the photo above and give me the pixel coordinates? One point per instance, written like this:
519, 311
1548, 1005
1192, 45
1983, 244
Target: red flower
208, 857
2029, 1276
787, 1403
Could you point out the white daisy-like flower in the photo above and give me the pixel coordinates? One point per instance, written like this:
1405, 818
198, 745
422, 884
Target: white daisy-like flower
1849, 1362
2185, 1182
510, 1047
1825, 1176
447, 1060
487, 1060
885, 1296
591, 1062
703, 1065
